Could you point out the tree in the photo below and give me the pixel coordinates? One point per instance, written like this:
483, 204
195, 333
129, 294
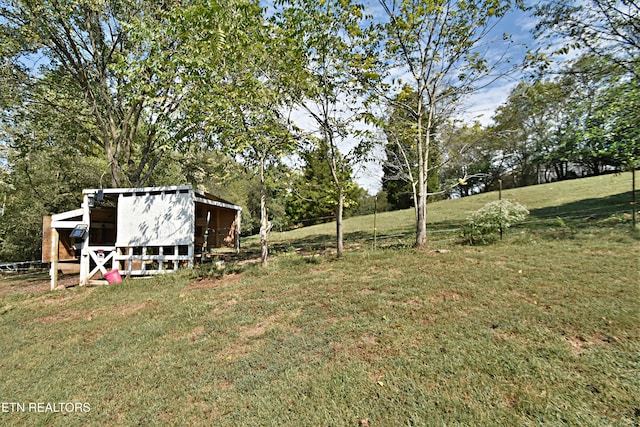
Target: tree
609, 29
527, 127
606, 28
440, 46
469, 166
240, 68
312, 199
256, 129
39, 183
106, 65
400, 170
571, 125
589, 79
329, 36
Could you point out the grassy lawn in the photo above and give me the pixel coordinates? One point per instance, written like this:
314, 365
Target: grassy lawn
539, 329
581, 198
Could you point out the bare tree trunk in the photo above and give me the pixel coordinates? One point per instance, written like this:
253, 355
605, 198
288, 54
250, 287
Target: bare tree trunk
415, 198
339, 212
423, 159
113, 164
264, 231
633, 195
421, 226
265, 226
332, 158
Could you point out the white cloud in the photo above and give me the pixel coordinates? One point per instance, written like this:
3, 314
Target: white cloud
483, 105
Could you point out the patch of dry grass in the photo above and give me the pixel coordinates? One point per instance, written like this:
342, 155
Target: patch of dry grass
540, 329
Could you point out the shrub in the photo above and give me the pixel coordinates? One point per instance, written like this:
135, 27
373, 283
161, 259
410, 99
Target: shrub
485, 224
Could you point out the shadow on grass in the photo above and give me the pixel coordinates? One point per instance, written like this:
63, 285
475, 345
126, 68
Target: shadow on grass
327, 241
603, 211
587, 208
572, 220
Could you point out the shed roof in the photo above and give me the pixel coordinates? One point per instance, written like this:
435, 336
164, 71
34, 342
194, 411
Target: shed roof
202, 195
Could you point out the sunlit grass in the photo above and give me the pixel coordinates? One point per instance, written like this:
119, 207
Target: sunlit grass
539, 329
603, 194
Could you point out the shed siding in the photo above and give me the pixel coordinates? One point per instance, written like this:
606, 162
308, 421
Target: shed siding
164, 219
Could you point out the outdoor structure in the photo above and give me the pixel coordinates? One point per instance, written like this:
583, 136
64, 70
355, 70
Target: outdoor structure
138, 231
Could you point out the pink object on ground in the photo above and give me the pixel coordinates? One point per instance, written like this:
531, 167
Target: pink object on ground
113, 276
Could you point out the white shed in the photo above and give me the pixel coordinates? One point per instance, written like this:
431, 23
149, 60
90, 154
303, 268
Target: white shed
139, 231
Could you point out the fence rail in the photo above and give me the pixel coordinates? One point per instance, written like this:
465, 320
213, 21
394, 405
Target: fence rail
22, 267
26, 267
445, 234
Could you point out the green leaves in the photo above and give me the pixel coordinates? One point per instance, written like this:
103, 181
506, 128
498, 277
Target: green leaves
114, 58
314, 196
578, 123
442, 46
608, 28
492, 219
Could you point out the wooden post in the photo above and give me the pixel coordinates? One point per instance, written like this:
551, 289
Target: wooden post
191, 253
205, 241
500, 198
55, 239
633, 196
375, 228
238, 222
85, 259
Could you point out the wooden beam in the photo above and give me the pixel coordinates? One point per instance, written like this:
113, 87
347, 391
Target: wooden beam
46, 239
217, 204
66, 224
68, 215
238, 221
85, 259
139, 190
55, 238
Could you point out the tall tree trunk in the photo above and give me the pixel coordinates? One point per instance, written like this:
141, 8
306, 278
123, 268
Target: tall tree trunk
339, 212
421, 221
414, 194
265, 226
332, 158
423, 171
264, 231
633, 195
113, 164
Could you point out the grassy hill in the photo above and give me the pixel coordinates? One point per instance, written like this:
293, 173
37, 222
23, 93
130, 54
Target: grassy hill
581, 198
539, 329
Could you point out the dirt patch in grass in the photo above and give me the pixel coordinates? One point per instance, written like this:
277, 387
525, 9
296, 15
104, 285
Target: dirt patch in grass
445, 296
251, 337
580, 344
260, 328
213, 283
254, 331
196, 333
18, 285
413, 303
57, 299
129, 309
66, 315
124, 310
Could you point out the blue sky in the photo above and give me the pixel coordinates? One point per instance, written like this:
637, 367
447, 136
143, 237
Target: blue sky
481, 106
